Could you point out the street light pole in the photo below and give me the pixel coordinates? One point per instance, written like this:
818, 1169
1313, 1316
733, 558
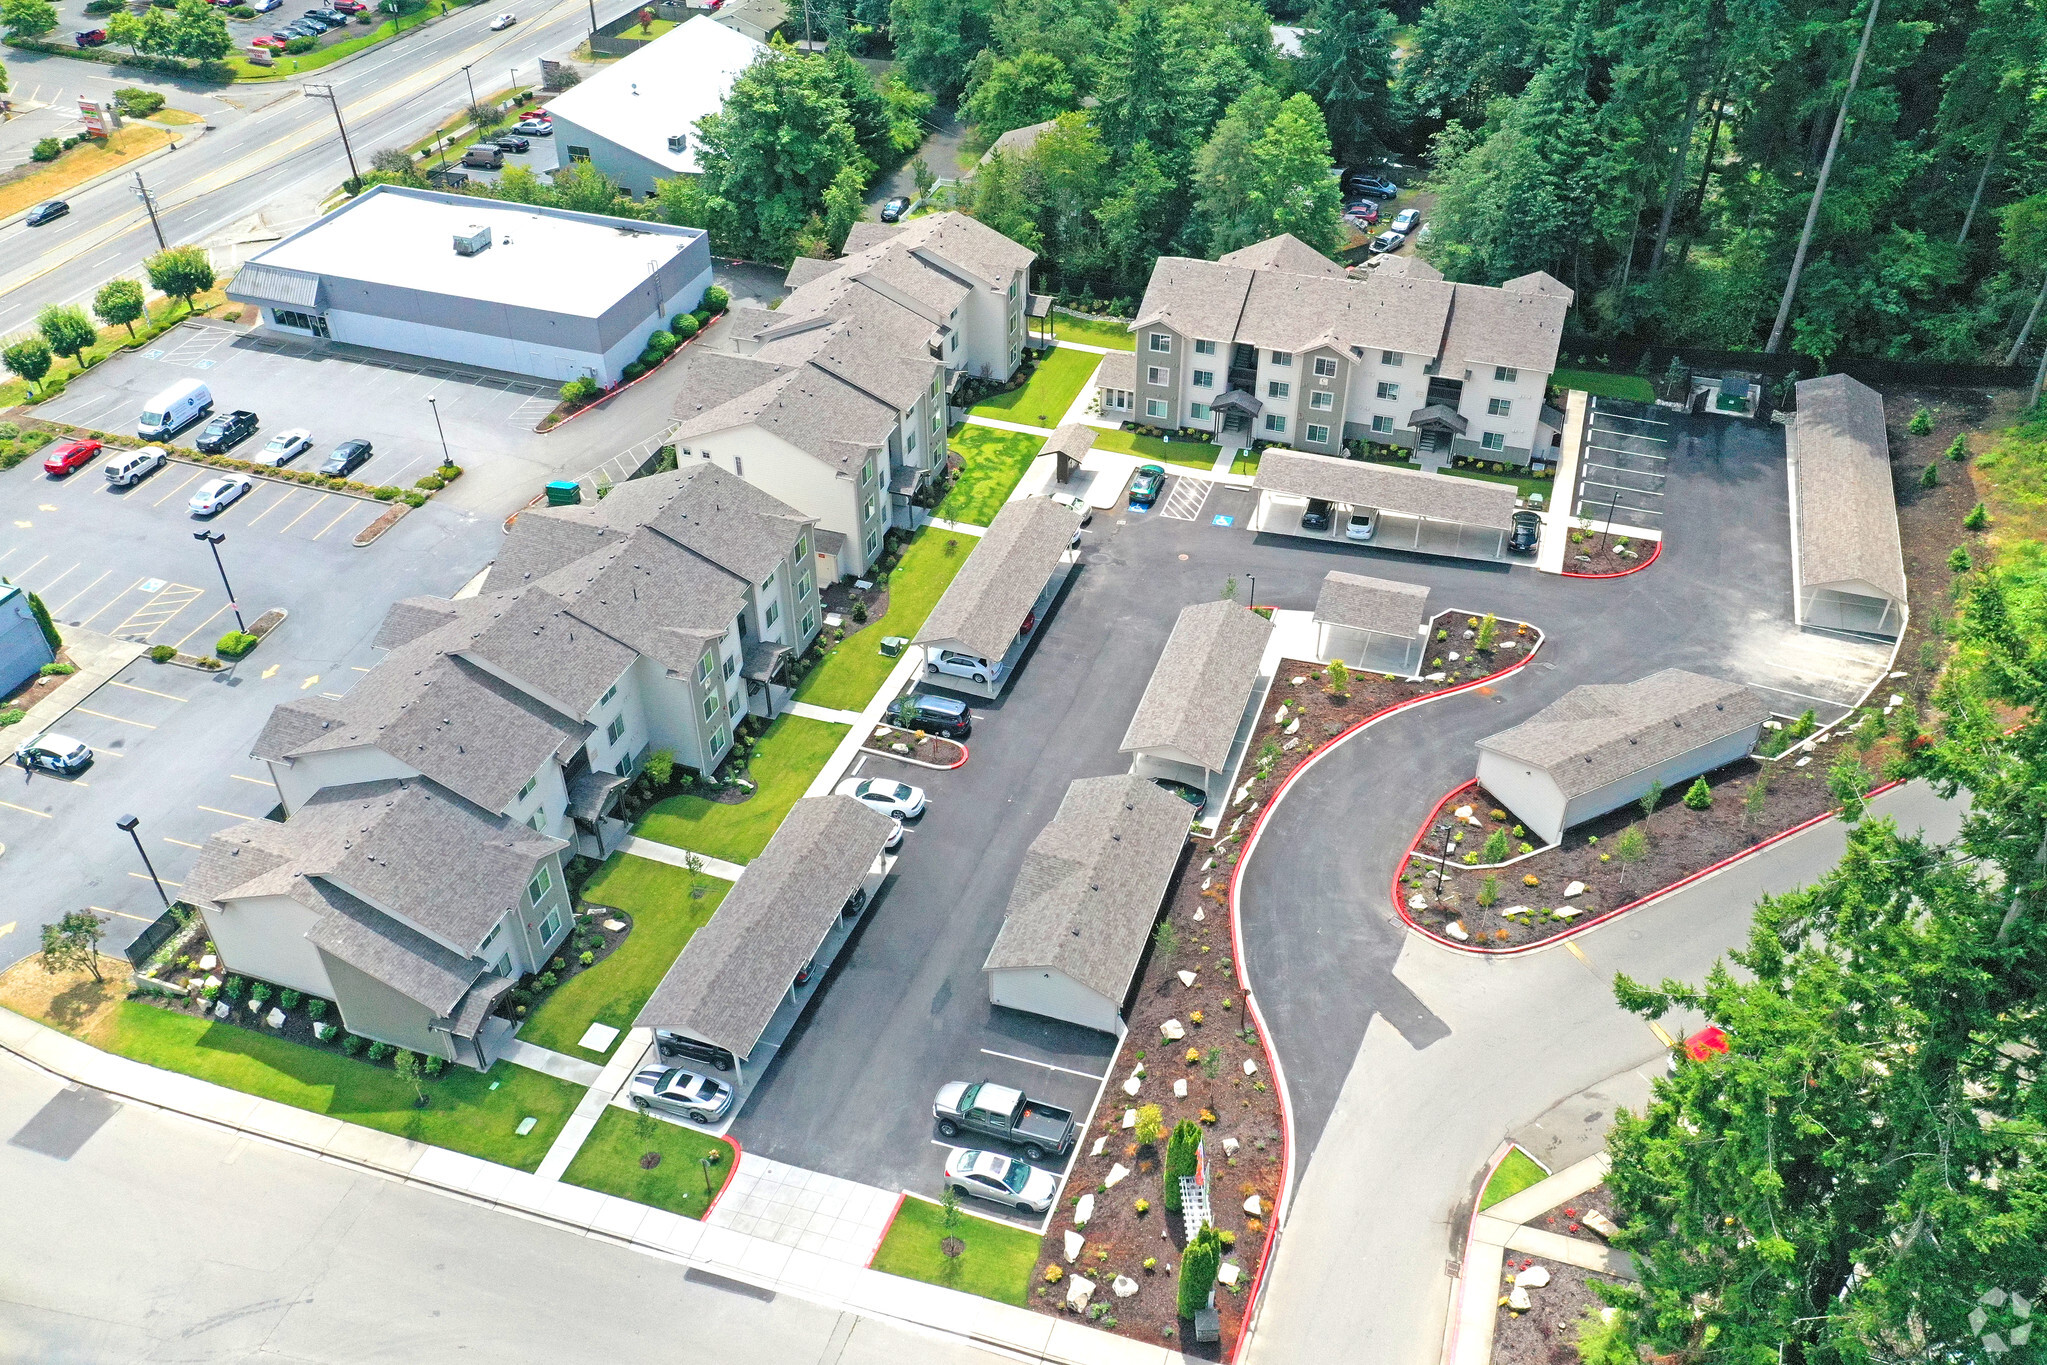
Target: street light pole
213, 540
326, 92
149, 202
434, 403
1443, 830
129, 823
1254, 590
471, 84
1611, 508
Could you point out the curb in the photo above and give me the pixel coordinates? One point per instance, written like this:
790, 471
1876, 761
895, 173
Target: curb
1654, 555
726, 1184
921, 763
104, 176
901, 1195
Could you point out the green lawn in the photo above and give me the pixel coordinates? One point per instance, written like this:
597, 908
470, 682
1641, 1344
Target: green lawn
1599, 385
1199, 454
665, 915
1043, 402
849, 676
996, 1265
1092, 331
1246, 462
636, 34
995, 460
289, 65
466, 1114
792, 752
1515, 1174
609, 1162
1523, 483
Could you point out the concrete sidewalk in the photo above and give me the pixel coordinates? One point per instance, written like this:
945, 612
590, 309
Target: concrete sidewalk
679, 857
99, 657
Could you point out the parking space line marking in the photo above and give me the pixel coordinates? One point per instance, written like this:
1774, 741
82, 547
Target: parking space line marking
111, 600
139, 724
217, 611
259, 781
1601, 483
160, 610
44, 590
143, 877
167, 696
174, 492
1661, 1036
302, 515
123, 913
330, 525
39, 814
24, 573
180, 842
231, 814
1603, 412
358, 668
1638, 454
1011, 1057
289, 494
60, 608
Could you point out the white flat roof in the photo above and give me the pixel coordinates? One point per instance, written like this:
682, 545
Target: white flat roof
575, 264
641, 101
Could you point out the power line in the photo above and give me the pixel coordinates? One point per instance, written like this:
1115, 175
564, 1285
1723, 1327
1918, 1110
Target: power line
326, 92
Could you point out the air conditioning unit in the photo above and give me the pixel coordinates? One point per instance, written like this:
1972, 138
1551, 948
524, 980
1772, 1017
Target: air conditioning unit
473, 242
677, 141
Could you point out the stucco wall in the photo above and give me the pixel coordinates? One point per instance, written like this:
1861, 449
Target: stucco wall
265, 937
377, 1012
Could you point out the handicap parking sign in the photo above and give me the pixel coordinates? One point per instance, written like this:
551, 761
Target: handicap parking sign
202, 364
1225, 521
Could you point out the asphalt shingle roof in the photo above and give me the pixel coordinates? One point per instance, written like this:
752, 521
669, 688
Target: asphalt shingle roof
1375, 604
1198, 691
735, 971
1092, 882
1847, 507
1601, 732
1412, 492
985, 605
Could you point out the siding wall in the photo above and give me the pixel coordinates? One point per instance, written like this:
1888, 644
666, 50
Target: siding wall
374, 1010
299, 779
265, 936
1538, 803
1054, 995
23, 650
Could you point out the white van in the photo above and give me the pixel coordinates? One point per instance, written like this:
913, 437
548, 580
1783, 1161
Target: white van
176, 408
132, 466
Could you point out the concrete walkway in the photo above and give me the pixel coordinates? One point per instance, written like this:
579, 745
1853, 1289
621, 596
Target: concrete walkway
825, 713
559, 1065
604, 1088
679, 857
965, 528
99, 657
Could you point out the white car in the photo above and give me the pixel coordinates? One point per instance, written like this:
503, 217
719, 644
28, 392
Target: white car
285, 447
503, 21
1361, 526
1073, 503
890, 798
1004, 1179
534, 127
895, 835
972, 667
217, 495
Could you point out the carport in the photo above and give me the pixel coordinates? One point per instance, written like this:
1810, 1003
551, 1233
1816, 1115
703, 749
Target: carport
1200, 706
1436, 514
1374, 624
1847, 562
1013, 574
732, 987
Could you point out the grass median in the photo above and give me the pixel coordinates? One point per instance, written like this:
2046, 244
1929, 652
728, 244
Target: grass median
1043, 401
289, 65
996, 1262
854, 671
995, 461
1515, 1174
1631, 387
792, 752
88, 159
1107, 332
612, 1160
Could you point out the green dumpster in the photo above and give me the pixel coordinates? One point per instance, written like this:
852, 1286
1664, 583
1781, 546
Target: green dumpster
564, 493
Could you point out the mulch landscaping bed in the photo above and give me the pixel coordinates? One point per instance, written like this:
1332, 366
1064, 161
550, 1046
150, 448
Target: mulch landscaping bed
516, 1003
1547, 1334
839, 599
37, 687
929, 749
1594, 552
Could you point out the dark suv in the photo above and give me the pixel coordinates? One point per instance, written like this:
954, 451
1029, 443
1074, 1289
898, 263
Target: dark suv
946, 716
348, 457
1316, 518
227, 431
675, 1048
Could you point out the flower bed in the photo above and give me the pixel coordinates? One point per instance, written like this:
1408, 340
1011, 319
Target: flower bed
890, 741
1547, 1331
1595, 554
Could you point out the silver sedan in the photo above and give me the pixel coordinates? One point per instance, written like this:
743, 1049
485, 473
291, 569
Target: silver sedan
675, 1091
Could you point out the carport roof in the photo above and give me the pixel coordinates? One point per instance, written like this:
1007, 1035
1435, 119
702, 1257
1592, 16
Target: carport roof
1847, 508
1601, 732
1091, 883
987, 601
1412, 492
734, 973
1197, 693
1374, 604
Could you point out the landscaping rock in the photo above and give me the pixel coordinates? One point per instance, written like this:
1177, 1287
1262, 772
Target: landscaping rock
1455, 656
1100, 1143
1462, 812
1417, 901
1186, 979
1250, 1067
1131, 1086
1254, 1207
1288, 747
1895, 700
1079, 1289
1207, 882
1230, 1146
1434, 677
1292, 725
1074, 1242
1123, 1286
1180, 1089
324, 1032
208, 963
1565, 911
1518, 1300
1600, 1224
1574, 889
1455, 929
1535, 1277
616, 926
221, 1010
1115, 1175
1084, 1210
526, 1125
1198, 915
1173, 1030
275, 1018
1129, 1121
212, 983
1228, 1272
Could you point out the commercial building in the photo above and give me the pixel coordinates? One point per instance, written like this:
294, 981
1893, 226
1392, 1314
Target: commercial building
1846, 557
1373, 624
636, 119
1601, 746
481, 282
1362, 503
24, 649
1195, 713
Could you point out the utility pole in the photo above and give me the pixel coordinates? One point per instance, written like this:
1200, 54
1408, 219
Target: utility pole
326, 92
593, 27
471, 84
149, 202
1812, 210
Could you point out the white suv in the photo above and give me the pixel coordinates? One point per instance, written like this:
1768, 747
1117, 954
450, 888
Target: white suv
960, 665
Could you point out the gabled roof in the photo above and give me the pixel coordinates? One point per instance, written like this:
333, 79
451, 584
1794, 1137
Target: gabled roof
1018, 141
985, 604
1519, 325
805, 405
1198, 691
736, 970
1118, 370
1075, 439
1601, 732
1092, 882
1374, 604
1284, 252
1362, 483
1847, 507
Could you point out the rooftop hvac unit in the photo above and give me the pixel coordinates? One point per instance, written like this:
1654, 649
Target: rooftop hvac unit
677, 141
473, 242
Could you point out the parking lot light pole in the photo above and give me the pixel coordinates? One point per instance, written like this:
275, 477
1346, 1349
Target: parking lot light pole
1254, 591
130, 824
1443, 830
1612, 508
434, 403
213, 540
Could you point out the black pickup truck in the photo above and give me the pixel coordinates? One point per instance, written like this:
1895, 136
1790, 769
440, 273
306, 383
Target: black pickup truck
1007, 1114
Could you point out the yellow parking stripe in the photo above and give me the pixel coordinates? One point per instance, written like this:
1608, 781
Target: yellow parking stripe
145, 725
330, 525
259, 781
167, 696
39, 814
289, 494
230, 814
123, 913
111, 600
179, 842
174, 492
143, 877
1661, 1036
302, 515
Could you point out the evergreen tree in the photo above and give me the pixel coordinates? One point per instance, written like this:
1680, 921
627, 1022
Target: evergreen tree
1133, 216
1017, 92
1347, 65
1225, 216
936, 41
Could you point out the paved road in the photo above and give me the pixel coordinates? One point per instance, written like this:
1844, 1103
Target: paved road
161, 1239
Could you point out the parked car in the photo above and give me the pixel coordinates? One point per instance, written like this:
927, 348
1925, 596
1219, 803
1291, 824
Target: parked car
1372, 185
332, 18
1187, 792
673, 1047
805, 972
47, 212
955, 664
92, 37
534, 127
503, 22
348, 457
1407, 220
227, 431
1316, 518
1708, 1042
1006, 1114
217, 495
176, 408
68, 457
675, 1091
125, 470
891, 844
1073, 503
887, 796
1360, 525
1527, 531
1146, 486
946, 716
1389, 240
54, 753
483, 156
892, 210
1004, 1179
1362, 211
346, 6
266, 40
265, 6
286, 446
505, 142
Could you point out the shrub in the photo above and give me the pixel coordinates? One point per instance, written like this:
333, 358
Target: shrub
1151, 1125
1531, 880
1958, 560
1495, 850
1179, 1161
1958, 449
235, 987
716, 299
294, 46
136, 102
1921, 423
1929, 476
57, 670
352, 1043
661, 767
586, 958
432, 483
316, 1009
434, 1066
633, 371
1198, 1267
1488, 890
379, 1051
448, 473
289, 999
235, 644
682, 326
1053, 1274
387, 493
259, 992
412, 497
48, 149
1699, 796
661, 343
1978, 518
581, 389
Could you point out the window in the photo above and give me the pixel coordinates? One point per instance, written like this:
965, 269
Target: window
870, 509
614, 730
955, 344
704, 669
1382, 424
1274, 422
1318, 435
734, 707
809, 620
1276, 389
1325, 366
910, 439
1197, 412
718, 740
774, 610
1162, 342
867, 474
710, 706
873, 541
299, 322
537, 820
1154, 407
738, 466
578, 153
1204, 379
527, 790
1506, 374
1204, 348
1389, 357
802, 546
731, 666
551, 926
490, 938
1498, 407
542, 883
609, 693
1322, 400
1389, 390
1154, 375
1493, 440
1012, 286
803, 585
1282, 357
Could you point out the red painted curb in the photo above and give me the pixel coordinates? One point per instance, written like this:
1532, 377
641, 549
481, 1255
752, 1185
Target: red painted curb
965, 754
901, 1195
601, 399
1653, 555
1400, 902
726, 1184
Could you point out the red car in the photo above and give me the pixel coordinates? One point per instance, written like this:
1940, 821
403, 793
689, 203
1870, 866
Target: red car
68, 456
350, 6
1709, 1041
265, 40
92, 37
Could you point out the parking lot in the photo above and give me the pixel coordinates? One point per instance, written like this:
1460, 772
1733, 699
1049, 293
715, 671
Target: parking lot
1626, 461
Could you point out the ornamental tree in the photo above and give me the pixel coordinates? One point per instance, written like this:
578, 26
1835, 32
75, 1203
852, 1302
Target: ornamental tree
118, 303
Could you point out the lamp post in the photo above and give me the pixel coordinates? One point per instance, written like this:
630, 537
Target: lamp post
1254, 591
1443, 830
130, 824
1612, 507
213, 540
706, 1163
434, 403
